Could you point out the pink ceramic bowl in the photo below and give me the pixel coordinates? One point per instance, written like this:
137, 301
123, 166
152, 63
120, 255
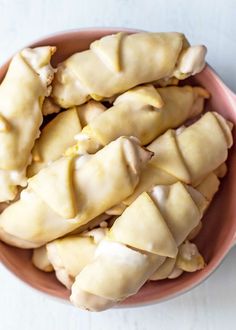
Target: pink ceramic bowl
219, 231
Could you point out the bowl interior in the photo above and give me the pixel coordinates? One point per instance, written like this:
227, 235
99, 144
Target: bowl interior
219, 223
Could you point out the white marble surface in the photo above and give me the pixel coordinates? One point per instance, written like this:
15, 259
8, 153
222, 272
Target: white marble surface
213, 304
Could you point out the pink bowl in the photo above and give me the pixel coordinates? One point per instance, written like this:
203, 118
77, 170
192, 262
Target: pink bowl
219, 231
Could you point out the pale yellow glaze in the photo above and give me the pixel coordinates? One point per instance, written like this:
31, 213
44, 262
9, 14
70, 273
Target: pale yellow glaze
118, 62
22, 93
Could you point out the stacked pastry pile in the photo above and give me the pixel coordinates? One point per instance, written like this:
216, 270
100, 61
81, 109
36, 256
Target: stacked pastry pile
110, 192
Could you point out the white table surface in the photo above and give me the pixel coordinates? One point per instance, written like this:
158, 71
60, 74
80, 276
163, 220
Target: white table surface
210, 306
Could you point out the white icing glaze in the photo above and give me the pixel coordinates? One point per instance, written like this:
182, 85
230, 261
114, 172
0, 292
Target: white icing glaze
179, 130
8, 181
89, 301
119, 252
189, 250
46, 74
193, 60
97, 234
26, 194
80, 160
81, 137
159, 194
63, 276
80, 86
18, 177
9, 178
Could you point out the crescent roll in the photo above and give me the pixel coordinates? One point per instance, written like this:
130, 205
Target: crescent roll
72, 191
188, 154
192, 153
118, 62
151, 229
144, 112
22, 92
59, 133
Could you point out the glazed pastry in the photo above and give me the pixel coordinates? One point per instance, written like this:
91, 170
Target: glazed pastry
72, 191
150, 112
118, 62
40, 259
133, 249
22, 93
187, 154
58, 134
188, 259
71, 254
193, 152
